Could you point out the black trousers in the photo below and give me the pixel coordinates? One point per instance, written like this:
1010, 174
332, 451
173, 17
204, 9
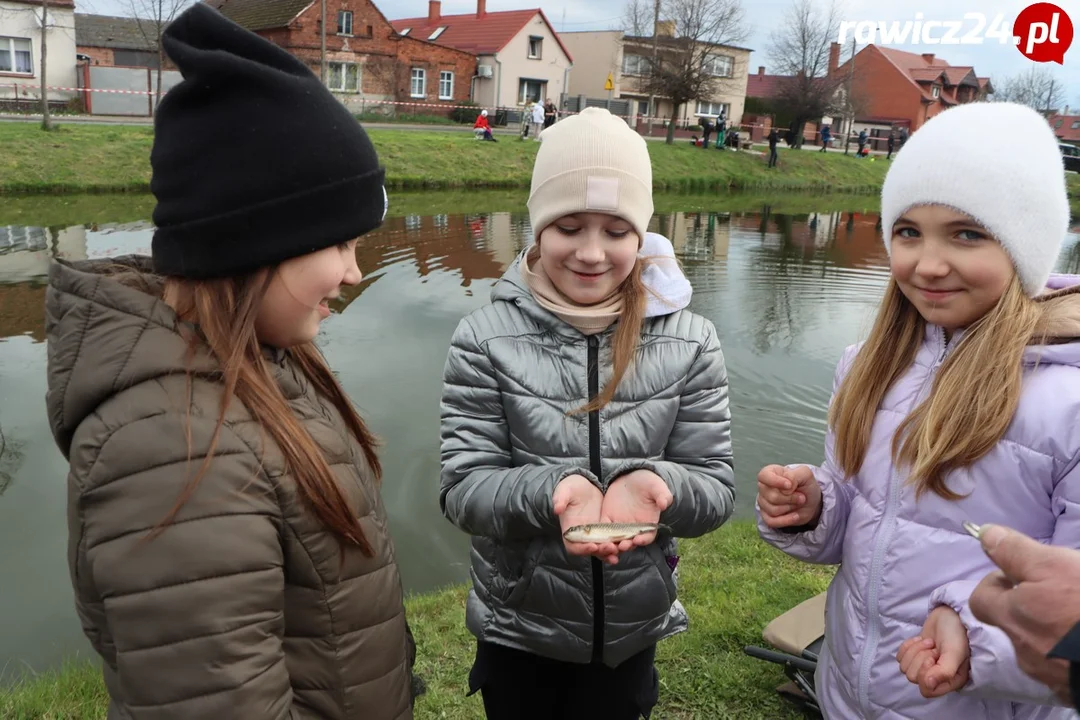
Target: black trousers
772, 156
517, 685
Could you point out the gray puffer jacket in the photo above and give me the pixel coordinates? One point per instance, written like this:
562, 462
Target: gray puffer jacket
513, 374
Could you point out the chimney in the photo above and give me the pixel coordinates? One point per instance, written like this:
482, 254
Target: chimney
761, 71
434, 11
929, 58
834, 57
481, 8
666, 28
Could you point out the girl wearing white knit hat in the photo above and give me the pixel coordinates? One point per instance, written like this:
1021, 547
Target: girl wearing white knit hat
585, 393
960, 407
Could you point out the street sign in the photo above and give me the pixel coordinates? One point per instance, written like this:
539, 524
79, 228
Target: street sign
610, 84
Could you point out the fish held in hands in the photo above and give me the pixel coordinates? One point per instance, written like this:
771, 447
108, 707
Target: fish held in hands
609, 532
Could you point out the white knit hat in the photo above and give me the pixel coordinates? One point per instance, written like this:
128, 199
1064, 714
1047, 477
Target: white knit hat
591, 162
997, 162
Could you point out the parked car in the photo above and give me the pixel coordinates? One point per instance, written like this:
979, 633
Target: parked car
1071, 155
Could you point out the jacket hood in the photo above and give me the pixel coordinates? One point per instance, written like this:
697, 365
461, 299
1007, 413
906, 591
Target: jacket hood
1062, 317
668, 289
104, 336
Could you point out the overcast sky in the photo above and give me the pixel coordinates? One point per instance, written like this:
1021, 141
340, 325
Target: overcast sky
990, 58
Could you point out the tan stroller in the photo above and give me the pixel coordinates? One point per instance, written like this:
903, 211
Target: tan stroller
797, 637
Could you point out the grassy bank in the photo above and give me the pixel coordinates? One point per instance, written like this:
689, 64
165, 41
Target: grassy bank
732, 585
94, 158
93, 209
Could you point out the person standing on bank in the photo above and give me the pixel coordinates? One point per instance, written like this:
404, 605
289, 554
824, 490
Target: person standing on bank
228, 546
962, 405
585, 392
774, 138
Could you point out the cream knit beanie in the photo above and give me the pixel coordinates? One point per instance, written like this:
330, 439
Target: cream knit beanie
591, 162
997, 162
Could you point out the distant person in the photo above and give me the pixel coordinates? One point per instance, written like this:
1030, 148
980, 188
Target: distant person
774, 138
706, 131
586, 392
825, 137
962, 404
891, 143
228, 544
862, 142
551, 113
537, 120
721, 129
482, 128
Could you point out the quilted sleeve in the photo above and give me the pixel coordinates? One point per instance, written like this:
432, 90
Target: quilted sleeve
481, 492
698, 467
190, 622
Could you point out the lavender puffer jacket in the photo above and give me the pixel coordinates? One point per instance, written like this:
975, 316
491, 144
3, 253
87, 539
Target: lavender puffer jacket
899, 557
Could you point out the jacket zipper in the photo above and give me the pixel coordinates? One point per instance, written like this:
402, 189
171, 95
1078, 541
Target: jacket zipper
888, 522
594, 465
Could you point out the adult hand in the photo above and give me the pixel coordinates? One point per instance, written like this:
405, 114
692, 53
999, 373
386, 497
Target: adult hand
788, 497
939, 659
1034, 598
636, 497
577, 502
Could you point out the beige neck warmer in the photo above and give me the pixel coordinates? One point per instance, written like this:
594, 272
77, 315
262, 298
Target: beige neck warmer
588, 319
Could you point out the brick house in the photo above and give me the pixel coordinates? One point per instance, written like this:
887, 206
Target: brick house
115, 41
896, 88
1066, 127
367, 61
521, 57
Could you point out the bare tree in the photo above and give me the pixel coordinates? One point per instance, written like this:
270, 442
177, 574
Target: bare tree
152, 17
46, 117
799, 49
637, 19
688, 65
1036, 87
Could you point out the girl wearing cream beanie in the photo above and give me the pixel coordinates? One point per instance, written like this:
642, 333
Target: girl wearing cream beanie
584, 393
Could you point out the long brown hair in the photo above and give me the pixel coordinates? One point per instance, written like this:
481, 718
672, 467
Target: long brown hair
224, 310
971, 402
627, 332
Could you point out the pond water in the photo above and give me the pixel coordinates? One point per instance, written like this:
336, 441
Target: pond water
787, 293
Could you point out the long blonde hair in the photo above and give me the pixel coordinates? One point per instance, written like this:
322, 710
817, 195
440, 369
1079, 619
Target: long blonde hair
627, 333
971, 402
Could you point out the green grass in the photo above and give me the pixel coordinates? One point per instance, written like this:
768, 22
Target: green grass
88, 209
95, 158
731, 583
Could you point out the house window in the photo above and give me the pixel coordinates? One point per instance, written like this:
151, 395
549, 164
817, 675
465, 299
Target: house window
135, 58
344, 22
446, 85
536, 47
405, 32
713, 108
635, 65
1059, 123
16, 55
719, 65
1076, 125
936, 91
343, 77
418, 87
435, 35
530, 91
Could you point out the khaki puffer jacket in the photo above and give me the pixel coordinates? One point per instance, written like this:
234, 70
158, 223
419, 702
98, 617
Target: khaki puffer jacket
243, 607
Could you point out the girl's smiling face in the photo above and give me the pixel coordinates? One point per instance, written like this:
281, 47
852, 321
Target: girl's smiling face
947, 265
588, 256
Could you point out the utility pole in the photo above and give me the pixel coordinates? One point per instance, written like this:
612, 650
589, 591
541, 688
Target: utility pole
322, 52
655, 55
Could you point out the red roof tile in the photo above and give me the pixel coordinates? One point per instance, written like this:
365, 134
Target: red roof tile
764, 86
485, 35
926, 74
1066, 130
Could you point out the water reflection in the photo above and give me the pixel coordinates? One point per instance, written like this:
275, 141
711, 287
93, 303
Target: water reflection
786, 292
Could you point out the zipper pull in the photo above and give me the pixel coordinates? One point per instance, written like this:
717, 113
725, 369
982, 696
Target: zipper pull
594, 341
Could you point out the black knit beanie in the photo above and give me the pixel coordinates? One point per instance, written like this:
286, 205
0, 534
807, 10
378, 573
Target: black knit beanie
254, 160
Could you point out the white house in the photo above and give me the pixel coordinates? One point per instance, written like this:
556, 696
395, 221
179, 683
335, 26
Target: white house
20, 49
520, 58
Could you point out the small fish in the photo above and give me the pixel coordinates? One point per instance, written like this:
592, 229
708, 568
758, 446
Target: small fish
972, 529
609, 532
